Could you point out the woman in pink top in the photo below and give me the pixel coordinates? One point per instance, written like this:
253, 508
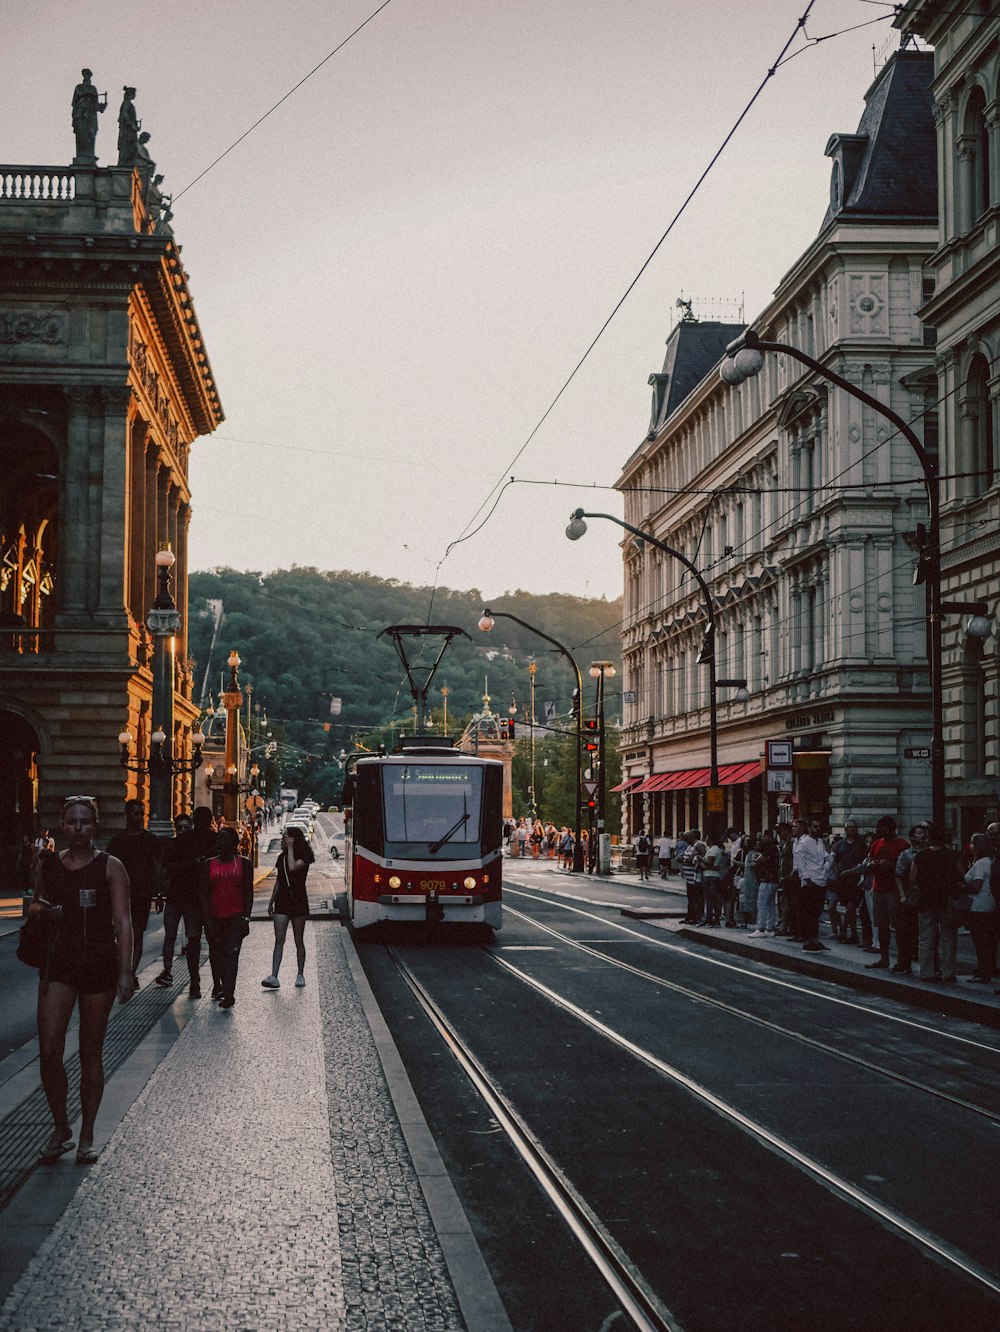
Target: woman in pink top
227, 900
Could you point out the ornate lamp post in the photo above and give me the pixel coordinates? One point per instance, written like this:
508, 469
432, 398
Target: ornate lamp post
163, 622
232, 701
486, 623
744, 358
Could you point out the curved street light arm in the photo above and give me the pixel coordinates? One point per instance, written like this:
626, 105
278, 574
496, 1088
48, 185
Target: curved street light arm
929, 565
708, 650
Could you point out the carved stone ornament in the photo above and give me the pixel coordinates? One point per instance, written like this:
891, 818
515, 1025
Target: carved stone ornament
163, 621
24, 327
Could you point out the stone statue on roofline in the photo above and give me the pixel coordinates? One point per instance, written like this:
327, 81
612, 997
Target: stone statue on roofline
128, 130
87, 104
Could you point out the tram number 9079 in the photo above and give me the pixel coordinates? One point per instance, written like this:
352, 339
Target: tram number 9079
435, 885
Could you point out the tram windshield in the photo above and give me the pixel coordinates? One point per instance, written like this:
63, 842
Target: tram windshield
434, 805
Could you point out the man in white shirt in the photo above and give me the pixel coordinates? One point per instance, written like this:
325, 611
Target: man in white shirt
809, 861
664, 850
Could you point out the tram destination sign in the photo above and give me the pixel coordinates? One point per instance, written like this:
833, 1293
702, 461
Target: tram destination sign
922, 753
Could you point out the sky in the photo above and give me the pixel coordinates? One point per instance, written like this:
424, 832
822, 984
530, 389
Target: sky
398, 270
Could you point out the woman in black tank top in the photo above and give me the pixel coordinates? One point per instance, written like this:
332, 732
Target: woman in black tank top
85, 895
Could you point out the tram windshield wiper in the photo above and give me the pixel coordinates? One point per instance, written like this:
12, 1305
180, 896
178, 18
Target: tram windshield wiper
435, 847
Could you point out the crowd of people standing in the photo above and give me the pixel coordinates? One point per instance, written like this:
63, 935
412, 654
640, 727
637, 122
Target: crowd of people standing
901, 899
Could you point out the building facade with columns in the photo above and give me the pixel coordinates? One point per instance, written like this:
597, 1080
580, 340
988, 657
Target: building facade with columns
965, 309
105, 384
799, 505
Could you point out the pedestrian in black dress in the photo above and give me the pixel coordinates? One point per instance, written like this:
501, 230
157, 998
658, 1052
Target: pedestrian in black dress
289, 902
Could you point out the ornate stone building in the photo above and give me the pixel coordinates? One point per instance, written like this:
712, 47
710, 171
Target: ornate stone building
965, 309
799, 505
104, 386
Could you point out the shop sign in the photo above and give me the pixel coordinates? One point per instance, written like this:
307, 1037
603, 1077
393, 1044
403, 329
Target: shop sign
807, 721
780, 779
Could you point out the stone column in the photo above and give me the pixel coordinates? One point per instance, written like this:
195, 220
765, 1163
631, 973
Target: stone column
113, 510
137, 518
73, 506
149, 523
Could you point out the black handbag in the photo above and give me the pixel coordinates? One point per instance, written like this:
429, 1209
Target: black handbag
35, 942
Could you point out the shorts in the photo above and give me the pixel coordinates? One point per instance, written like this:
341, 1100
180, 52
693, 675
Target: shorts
86, 977
140, 908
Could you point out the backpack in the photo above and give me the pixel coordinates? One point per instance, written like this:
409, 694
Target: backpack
643, 846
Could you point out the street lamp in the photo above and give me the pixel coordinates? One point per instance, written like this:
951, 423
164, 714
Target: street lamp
706, 657
232, 701
163, 622
601, 671
744, 358
486, 622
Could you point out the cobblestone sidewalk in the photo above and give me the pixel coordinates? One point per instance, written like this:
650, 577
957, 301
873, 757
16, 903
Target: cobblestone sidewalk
259, 1181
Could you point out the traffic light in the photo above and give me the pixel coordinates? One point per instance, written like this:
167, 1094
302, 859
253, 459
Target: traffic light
592, 735
506, 730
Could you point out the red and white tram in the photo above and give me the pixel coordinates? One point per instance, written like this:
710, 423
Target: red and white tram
424, 835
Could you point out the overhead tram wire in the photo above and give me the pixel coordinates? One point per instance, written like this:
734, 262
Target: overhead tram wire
466, 533
305, 78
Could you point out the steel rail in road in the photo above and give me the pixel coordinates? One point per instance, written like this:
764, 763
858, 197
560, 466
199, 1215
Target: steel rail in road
926, 1241
712, 960
639, 1302
759, 1021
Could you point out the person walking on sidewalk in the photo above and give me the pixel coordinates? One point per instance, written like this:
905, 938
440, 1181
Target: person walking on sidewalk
664, 852
84, 893
289, 902
139, 851
643, 854
226, 887
180, 861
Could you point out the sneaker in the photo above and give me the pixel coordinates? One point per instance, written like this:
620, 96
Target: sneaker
227, 1001
164, 979
300, 980
901, 971
877, 966
271, 983
757, 934
194, 992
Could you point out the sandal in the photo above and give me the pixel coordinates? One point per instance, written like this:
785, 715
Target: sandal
86, 1155
50, 1154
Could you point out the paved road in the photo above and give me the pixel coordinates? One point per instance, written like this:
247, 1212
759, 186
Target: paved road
737, 1130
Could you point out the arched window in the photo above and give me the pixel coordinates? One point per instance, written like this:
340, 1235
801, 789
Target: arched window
979, 408
975, 153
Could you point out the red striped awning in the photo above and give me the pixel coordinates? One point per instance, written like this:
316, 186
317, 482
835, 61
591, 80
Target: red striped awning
686, 779
628, 784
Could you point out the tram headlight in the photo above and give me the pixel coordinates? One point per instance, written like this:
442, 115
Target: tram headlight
469, 883
394, 881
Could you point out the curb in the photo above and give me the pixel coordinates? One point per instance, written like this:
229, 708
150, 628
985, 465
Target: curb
480, 1304
934, 998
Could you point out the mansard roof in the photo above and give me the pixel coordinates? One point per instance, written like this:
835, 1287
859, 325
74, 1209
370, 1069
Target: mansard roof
693, 348
888, 168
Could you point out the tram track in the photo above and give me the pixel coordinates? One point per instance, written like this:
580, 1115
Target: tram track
768, 1024
608, 1257
646, 1311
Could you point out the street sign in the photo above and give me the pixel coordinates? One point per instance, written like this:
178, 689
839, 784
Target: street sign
917, 753
590, 788
779, 779
779, 754
550, 711
628, 696
715, 800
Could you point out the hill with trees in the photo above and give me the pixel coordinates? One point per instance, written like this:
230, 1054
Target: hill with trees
307, 637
